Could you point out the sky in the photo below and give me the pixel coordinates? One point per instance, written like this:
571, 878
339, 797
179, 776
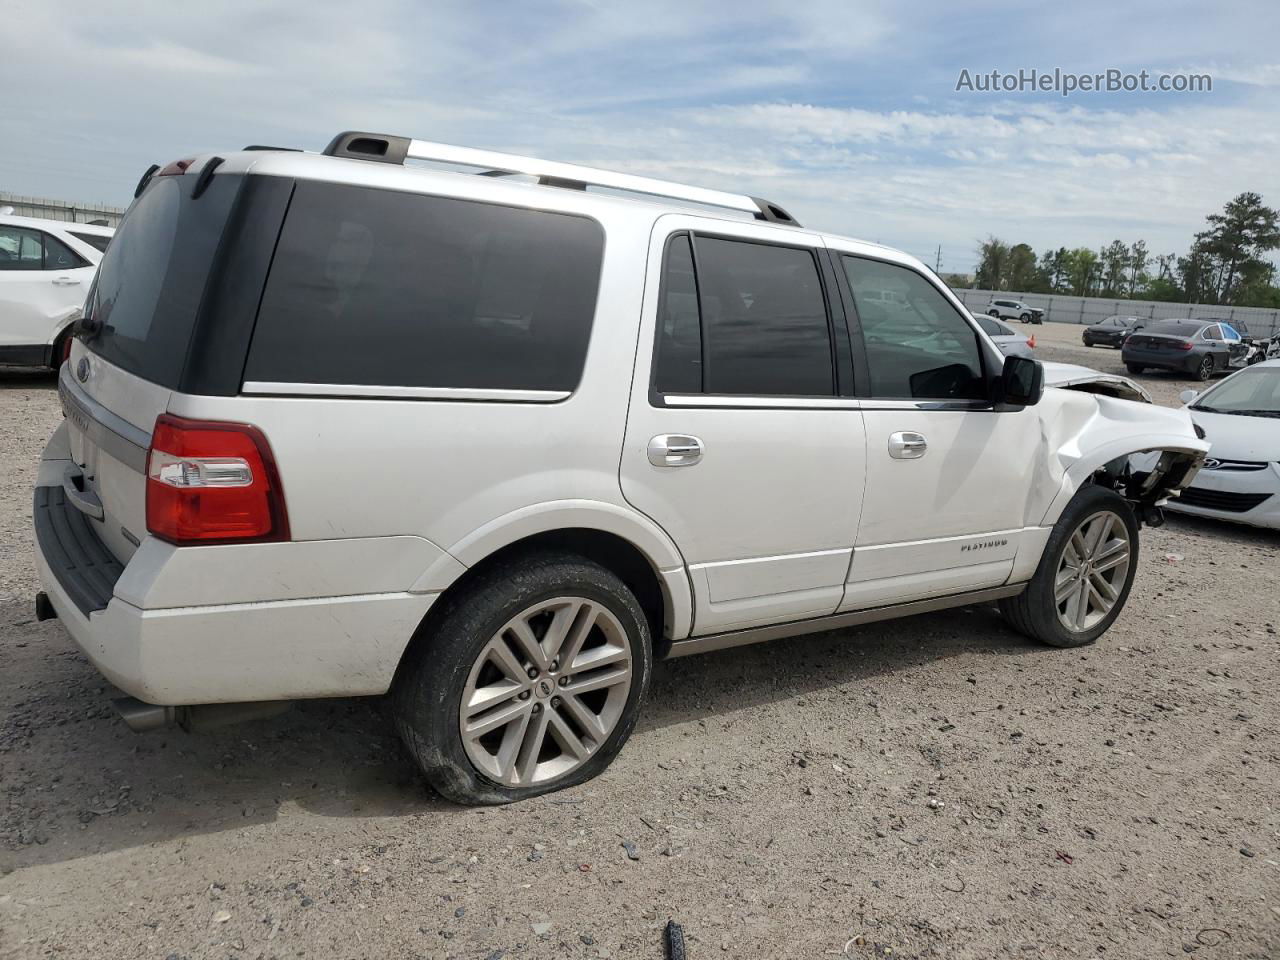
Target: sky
845, 112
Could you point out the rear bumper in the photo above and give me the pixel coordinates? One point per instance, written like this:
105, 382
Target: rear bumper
1163, 359
155, 629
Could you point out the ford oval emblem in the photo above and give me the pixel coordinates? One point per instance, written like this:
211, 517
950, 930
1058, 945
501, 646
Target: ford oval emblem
82, 369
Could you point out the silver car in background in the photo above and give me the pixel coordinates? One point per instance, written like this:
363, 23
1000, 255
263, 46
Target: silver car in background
1010, 342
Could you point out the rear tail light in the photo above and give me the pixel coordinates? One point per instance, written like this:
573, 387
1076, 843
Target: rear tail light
210, 482
1184, 344
1031, 341
66, 348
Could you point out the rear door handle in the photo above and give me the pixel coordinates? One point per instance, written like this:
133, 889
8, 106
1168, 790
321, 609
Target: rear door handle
674, 450
65, 281
907, 445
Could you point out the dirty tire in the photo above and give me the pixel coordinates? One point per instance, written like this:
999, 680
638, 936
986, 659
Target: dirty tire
1205, 370
427, 695
1033, 612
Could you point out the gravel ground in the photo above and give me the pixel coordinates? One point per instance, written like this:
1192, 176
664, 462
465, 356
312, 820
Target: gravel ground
931, 787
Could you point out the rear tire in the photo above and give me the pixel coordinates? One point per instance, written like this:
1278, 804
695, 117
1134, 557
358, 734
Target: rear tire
1205, 369
1134, 367
530, 726
994, 313
1063, 605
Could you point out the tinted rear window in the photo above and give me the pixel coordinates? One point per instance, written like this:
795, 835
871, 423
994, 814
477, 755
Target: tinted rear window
373, 287
1175, 328
152, 277
92, 239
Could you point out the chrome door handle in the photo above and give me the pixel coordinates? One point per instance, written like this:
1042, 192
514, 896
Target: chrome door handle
907, 445
674, 450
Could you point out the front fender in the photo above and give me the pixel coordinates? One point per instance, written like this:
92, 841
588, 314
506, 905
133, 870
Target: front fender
1084, 442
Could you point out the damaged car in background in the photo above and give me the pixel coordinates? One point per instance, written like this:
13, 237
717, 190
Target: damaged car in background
492, 445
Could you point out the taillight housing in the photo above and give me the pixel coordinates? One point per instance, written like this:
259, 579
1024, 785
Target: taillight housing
1185, 344
212, 482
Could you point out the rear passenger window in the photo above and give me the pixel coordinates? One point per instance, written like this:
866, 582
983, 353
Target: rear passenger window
58, 256
20, 249
754, 323
916, 342
373, 287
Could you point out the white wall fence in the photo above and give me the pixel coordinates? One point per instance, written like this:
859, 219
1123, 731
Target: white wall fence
47, 209
1261, 321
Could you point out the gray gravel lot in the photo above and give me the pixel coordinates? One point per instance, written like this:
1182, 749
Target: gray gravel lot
935, 787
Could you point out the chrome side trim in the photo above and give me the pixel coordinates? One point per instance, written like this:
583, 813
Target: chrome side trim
375, 392
782, 403
108, 431
739, 638
906, 404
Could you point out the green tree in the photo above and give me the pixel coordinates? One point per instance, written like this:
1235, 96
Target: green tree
1114, 261
993, 265
1138, 258
1021, 270
1231, 253
1082, 270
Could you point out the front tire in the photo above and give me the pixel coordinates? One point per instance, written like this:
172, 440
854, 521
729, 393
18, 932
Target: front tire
531, 681
1025, 318
1085, 574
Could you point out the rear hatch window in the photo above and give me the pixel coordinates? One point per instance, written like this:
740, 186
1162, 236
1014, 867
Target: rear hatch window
153, 275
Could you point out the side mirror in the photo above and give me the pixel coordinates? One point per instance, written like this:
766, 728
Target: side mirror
1021, 384
1188, 396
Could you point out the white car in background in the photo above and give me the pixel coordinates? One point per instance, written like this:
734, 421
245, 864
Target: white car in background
1240, 479
46, 267
1010, 342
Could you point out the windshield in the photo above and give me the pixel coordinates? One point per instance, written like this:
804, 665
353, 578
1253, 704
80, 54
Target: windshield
1251, 392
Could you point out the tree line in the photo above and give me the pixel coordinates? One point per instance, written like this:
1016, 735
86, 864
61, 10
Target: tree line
1227, 264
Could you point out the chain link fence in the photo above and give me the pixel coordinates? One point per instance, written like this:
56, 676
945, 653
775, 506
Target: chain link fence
1261, 321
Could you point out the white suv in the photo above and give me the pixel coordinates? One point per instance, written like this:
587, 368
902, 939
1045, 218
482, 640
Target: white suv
1014, 310
494, 444
46, 267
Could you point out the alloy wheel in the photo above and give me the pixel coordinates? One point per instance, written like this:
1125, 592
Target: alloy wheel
1092, 571
1206, 368
546, 691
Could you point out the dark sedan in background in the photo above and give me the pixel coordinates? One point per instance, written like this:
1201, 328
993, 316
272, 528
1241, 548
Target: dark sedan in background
1197, 347
1112, 331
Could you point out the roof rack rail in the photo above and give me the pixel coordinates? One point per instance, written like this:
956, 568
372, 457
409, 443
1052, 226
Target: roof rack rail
383, 148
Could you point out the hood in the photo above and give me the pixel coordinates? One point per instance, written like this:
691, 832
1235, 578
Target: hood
1233, 437
1073, 377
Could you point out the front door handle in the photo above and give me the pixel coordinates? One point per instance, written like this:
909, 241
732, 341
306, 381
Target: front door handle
907, 445
674, 450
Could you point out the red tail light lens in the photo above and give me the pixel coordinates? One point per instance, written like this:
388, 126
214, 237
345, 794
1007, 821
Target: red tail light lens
1185, 344
175, 169
66, 348
210, 482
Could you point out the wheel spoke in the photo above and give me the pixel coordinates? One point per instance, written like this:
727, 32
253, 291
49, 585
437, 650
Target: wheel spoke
485, 698
528, 643
569, 741
582, 716
1096, 536
1066, 588
531, 747
598, 680
503, 657
597, 657
494, 719
1106, 592
511, 741
1113, 560
1081, 602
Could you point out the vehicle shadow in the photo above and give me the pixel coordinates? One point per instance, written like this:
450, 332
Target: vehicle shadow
78, 783
27, 378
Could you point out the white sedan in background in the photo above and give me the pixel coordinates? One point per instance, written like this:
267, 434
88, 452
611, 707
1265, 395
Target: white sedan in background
1240, 480
46, 267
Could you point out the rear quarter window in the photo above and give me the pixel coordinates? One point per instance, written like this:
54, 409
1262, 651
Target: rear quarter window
378, 288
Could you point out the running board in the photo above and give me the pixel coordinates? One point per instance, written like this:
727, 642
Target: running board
837, 621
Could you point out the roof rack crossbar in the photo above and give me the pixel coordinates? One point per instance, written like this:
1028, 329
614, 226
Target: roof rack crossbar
388, 149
